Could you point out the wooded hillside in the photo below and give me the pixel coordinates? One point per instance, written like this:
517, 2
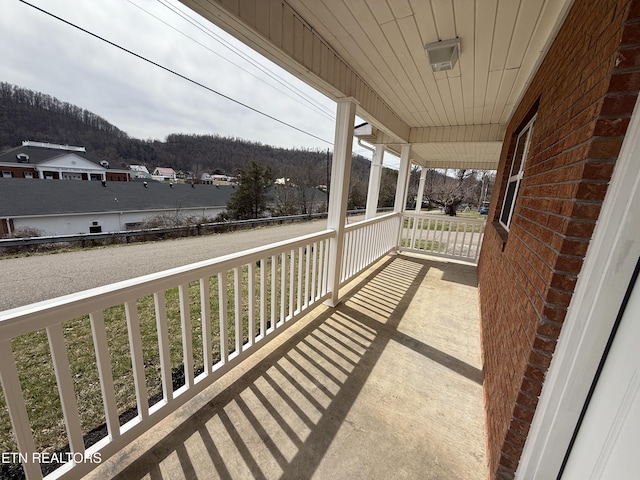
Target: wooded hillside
29, 115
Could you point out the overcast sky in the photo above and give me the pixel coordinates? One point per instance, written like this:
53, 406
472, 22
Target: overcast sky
44, 54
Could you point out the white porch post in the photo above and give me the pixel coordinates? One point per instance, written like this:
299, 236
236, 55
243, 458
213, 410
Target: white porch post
375, 176
423, 177
401, 188
339, 193
403, 179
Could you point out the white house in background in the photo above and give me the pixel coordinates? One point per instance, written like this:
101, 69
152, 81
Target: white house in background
51, 161
162, 174
138, 168
69, 208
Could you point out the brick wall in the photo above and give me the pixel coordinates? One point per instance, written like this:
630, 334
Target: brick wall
583, 94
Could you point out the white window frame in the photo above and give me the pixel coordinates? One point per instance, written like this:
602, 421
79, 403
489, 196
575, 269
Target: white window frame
509, 202
6, 174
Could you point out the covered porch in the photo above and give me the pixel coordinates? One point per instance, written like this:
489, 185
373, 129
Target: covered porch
386, 385
246, 365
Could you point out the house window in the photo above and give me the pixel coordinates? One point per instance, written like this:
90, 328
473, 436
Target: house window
6, 175
515, 174
28, 174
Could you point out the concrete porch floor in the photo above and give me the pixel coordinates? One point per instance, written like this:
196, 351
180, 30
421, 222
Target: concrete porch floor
386, 385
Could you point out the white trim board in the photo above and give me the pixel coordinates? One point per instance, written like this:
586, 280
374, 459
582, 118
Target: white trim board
606, 273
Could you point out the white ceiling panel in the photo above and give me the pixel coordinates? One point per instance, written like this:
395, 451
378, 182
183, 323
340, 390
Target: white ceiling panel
381, 43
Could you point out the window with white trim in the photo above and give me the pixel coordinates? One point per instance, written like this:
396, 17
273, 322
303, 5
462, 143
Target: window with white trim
515, 173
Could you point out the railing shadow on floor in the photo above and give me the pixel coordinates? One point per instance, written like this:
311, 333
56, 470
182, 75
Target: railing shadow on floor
278, 419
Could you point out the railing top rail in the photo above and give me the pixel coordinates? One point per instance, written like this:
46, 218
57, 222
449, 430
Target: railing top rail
371, 221
444, 217
36, 316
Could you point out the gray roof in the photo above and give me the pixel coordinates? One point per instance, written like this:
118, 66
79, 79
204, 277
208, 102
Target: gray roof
41, 154
20, 196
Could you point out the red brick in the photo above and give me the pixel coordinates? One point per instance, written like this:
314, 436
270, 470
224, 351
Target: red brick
519, 427
591, 191
563, 282
628, 81
525, 415
535, 373
634, 10
611, 127
531, 387
540, 358
571, 265
587, 211
543, 345
580, 229
605, 147
631, 34
527, 401
621, 105
511, 450
598, 170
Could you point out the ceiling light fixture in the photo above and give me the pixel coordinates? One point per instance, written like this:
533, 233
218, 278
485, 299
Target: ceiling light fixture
443, 54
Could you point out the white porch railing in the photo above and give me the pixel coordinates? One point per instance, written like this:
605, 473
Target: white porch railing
367, 241
204, 319
440, 235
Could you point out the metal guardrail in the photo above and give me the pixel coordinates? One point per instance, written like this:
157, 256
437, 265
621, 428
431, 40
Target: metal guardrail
189, 230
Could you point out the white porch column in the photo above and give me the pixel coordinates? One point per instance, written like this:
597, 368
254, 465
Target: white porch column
375, 176
403, 179
423, 177
339, 192
401, 188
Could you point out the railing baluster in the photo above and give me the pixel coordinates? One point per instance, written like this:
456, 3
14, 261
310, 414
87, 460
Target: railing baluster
66, 390
222, 302
237, 303
251, 294
455, 237
274, 293
314, 269
205, 318
103, 363
325, 266
187, 341
292, 281
137, 360
283, 287
307, 271
413, 231
464, 238
17, 410
320, 286
163, 345
263, 297
299, 296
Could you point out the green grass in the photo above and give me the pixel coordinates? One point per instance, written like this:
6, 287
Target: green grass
427, 245
35, 368
444, 224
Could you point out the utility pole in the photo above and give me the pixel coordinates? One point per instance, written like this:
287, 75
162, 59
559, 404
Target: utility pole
328, 178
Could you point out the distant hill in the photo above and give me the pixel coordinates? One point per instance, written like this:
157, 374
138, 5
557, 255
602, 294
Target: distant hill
29, 115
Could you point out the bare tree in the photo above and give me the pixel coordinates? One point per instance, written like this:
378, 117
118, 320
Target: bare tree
449, 191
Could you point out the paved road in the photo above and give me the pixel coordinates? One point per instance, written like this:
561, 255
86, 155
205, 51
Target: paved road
31, 279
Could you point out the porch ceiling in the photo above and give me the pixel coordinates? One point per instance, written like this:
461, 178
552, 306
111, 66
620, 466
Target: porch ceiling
373, 50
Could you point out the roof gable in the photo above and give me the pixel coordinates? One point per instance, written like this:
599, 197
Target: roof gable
71, 161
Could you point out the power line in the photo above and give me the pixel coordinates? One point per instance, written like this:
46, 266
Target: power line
213, 35
184, 77
310, 104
